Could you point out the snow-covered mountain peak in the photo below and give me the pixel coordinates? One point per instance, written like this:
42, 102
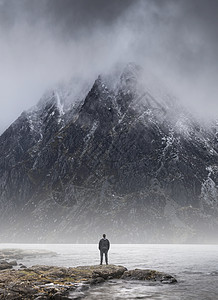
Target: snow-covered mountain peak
101, 85
121, 156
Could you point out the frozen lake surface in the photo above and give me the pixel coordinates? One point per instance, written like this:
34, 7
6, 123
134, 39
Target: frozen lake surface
194, 266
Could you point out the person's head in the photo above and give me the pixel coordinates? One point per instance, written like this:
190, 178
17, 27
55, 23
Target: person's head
104, 235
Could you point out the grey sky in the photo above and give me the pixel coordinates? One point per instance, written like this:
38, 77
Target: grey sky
44, 41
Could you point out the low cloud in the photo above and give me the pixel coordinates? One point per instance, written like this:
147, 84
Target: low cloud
43, 42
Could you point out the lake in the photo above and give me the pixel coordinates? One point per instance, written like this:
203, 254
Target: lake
194, 266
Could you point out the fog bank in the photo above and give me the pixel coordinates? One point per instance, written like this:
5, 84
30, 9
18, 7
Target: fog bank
44, 42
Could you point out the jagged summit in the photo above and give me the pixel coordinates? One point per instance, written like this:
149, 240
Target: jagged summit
111, 157
130, 75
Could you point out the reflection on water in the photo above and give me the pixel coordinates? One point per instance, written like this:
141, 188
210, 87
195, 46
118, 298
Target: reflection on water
194, 266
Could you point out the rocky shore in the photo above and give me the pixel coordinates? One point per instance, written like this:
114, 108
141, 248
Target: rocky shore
59, 283
56, 283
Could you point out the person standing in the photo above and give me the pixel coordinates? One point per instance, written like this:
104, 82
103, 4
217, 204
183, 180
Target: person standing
104, 246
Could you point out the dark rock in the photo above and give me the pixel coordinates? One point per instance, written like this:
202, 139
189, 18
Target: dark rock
105, 271
23, 267
97, 280
5, 265
12, 296
59, 296
3, 262
152, 275
13, 263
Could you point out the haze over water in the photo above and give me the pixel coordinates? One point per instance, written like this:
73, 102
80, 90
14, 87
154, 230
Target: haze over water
194, 266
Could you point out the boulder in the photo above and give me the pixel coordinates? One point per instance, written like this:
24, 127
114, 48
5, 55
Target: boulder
59, 296
13, 263
22, 266
139, 274
5, 265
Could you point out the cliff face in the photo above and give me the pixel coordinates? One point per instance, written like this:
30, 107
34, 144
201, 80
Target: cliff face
122, 160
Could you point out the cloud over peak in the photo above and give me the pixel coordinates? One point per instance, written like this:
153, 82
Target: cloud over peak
43, 42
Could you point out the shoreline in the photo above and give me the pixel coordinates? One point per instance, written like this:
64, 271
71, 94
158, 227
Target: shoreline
51, 282
57, 283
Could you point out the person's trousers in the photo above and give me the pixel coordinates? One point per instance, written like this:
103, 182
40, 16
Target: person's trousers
106, 256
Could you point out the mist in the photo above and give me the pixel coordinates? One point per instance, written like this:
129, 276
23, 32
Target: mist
45, 42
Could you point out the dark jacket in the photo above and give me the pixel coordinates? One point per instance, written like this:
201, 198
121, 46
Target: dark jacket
104, 245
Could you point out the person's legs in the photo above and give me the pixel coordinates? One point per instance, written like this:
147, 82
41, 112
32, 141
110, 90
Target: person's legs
106, 258
101, 255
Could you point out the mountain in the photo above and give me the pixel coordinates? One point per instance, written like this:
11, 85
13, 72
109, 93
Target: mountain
121, 159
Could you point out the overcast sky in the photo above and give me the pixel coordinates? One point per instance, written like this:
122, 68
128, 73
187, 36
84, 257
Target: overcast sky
44, 41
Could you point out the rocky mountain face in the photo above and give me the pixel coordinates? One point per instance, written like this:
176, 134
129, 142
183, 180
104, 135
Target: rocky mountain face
121, 160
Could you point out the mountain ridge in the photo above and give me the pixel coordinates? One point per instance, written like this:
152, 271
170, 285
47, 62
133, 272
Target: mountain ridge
119, 161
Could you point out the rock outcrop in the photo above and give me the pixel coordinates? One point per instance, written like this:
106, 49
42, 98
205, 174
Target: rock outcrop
47, 282
152, 275
5, 265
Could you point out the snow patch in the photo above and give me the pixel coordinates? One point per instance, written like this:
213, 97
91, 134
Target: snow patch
209, 191
89, 136
91, 132
60, 106
183, 127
